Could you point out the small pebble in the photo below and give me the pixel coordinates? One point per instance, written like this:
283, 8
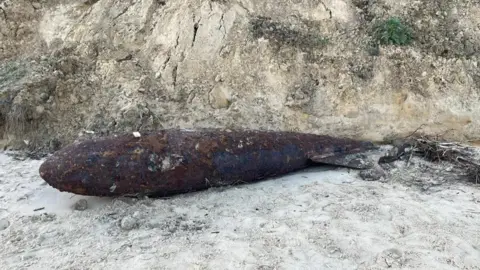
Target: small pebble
137, 215
128, 223
4, 224
373, 174
81, 205
47, 217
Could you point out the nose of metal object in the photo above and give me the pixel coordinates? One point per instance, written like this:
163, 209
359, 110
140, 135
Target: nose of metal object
46, 170
51, 171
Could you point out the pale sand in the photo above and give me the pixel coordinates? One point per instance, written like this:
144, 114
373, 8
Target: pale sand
314, 219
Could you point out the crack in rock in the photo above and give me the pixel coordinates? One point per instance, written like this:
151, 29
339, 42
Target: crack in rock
177, 41
174, 75
123, 11
327, 9
222, 26
90, 2
156, 4
195, 29
165, 63
4, 13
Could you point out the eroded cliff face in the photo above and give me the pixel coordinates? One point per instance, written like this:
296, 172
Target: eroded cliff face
311, 66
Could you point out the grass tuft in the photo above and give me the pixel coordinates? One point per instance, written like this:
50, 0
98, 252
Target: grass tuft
393, 32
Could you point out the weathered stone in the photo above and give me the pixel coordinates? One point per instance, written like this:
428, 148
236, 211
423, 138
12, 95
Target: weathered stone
128, 223
81, 205
374, 174
4, 224
220, 97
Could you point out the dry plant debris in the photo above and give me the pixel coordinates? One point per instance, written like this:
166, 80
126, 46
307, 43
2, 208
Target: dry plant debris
435, 149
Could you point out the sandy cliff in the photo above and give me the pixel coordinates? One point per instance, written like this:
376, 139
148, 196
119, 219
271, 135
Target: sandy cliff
312, 66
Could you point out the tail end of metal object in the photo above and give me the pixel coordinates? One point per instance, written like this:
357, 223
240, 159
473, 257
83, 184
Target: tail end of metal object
353, 161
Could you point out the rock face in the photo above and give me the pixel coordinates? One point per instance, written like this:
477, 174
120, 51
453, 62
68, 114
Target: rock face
311, 66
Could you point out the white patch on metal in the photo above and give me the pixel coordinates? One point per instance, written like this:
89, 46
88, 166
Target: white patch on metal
166, 165
113, 187
171, 162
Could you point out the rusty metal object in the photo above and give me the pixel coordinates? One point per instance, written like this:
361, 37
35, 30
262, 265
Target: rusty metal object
173, 161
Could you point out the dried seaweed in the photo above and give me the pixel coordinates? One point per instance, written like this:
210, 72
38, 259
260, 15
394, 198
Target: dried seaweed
462, 156
436, 149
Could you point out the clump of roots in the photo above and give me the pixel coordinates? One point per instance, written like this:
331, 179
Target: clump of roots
435, 149
460, 155
16, 120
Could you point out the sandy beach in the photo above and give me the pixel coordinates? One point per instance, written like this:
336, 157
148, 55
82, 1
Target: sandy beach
319, 218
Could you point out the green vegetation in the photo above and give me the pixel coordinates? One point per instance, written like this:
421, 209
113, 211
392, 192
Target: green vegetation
393, 32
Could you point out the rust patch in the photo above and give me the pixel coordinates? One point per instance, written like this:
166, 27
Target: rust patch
138, 151
109, 154
79, 190
156, 144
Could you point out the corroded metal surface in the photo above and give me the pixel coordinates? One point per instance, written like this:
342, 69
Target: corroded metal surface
173, 161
